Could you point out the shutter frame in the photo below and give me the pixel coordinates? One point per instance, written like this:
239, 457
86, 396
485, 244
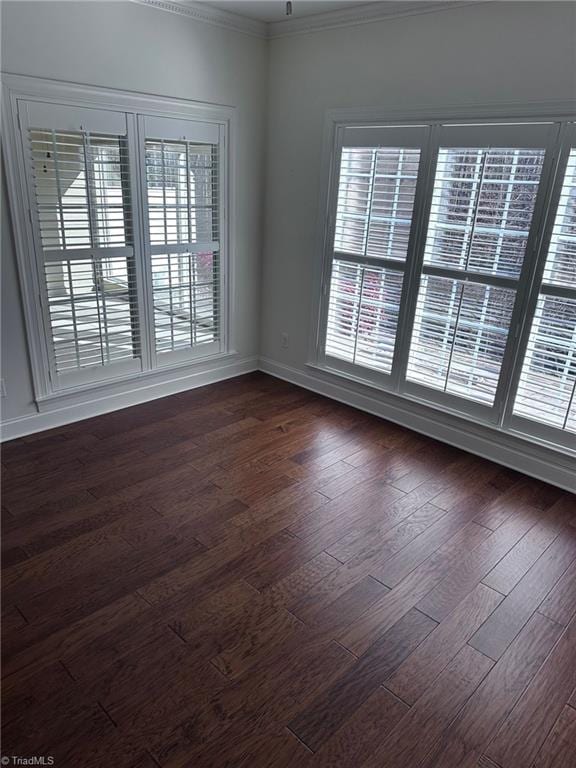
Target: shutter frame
546, 133
93, 320
355, 139
162, 256
524, 416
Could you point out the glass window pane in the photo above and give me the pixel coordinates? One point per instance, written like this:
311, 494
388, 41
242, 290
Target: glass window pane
93, 311
375, 201
482, 209
546, 388
82, 189
560, 266
363, 315
185, 293
182, 183
459, 337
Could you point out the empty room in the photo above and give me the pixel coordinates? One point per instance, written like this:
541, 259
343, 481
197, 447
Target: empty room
288, 384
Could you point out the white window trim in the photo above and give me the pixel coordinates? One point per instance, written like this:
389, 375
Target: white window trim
18, 88
336, 121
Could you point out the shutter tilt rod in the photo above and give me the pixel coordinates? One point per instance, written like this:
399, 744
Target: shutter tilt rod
289, 8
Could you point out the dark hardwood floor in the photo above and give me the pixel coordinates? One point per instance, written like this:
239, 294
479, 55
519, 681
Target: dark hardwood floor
254, 576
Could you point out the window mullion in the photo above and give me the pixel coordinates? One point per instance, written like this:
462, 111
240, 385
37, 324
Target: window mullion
144, 308
415, 257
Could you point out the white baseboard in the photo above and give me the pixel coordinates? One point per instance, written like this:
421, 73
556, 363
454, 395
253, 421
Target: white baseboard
500, 447
503, 448
134, 394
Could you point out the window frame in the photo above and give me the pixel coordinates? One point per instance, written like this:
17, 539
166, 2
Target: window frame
496, 417
371, 135
19, 90
487, 414
516, 423
174, 358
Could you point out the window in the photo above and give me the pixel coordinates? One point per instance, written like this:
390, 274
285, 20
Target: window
430, 274
481, 213
546, 390
182, 235
372, 233
127, 219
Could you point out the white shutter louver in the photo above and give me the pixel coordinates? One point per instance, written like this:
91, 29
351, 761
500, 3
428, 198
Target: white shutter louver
83, 205
375, 201
546, 390
376, 191
363, 314
480, 219
183, 193
459, 338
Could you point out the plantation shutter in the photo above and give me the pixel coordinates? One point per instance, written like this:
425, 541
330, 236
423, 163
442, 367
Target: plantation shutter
371, 242
81, 204
182, 172
483, 199
546, 390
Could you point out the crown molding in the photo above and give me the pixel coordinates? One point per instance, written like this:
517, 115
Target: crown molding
210, 15
360, 14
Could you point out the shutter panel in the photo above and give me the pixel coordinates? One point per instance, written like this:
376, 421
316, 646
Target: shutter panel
459, 338
363, 315
183, 236
546, 390
480, 219
373, 227
375, 201
482, 209
560, 266
83, 209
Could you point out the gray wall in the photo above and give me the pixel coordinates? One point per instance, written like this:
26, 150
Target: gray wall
487, 53
493, 52
132, 47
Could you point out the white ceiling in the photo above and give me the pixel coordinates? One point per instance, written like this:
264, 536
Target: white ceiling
275, 10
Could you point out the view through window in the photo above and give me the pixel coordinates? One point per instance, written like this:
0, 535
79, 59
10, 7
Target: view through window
431, 280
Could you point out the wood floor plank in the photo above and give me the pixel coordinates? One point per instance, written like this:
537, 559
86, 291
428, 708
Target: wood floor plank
516, 563
396, 569
274, 690
32, 648
254, 641
337, 704
462, 579
416, 733
359, 736
252, 575
496, 634
390, 608
286, 591
526, 728
462, 744
559, 749
560, 605
420, 669
404, 519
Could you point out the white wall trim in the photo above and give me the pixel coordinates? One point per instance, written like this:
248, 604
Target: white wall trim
363, 13
206, 13
129, 396
502, 448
